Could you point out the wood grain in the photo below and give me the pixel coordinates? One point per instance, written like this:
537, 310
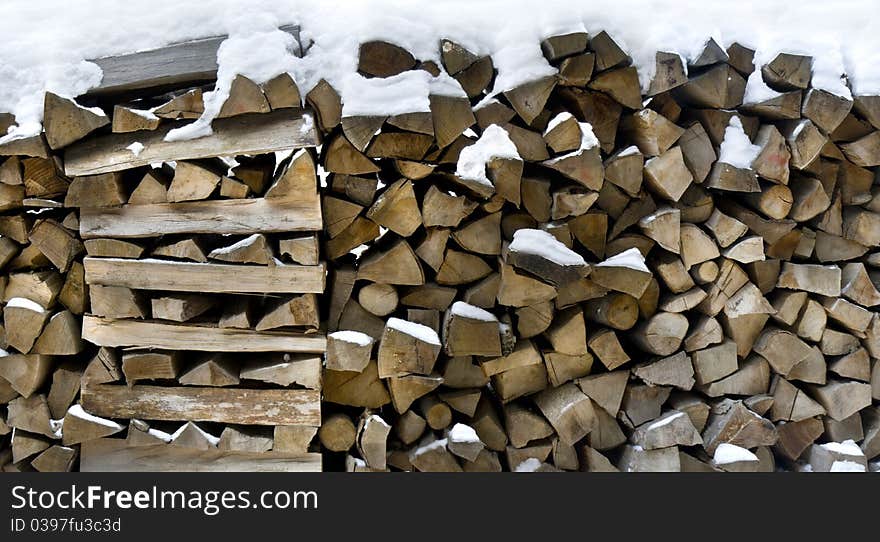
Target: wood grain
233, 216
204, 277
113, 455
108, 332
252, 134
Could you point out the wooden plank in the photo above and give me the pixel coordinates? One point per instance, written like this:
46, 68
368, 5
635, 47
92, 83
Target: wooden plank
204, 277
177, 64
113, 455
233, 216
204, 404
107, 332
258, 133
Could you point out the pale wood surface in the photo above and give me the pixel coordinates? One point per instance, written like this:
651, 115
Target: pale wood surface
204, 404
177, 64
243, 134
234, 216
204, 277
108, 332
113, 455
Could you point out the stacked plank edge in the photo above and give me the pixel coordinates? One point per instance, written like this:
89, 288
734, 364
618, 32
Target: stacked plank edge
184, 279
573, 274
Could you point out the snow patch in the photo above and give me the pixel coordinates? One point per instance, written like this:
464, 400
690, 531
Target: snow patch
419, 331
529, 465
433, 445
665, 421
544, 244
209, 437
78, 412
136, 148
847, 466
557, 120
727, 453
847, 447
588, 141
736, 149
466, 310
494, 143
355, 337
463, 433
244, 243
24, 303
630, 258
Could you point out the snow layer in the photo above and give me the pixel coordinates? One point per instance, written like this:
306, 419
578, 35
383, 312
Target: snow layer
727, 453
630, 258
419, 331
463, 433
588, 141
557, 120
46, 42
244, 243
494, 143
209, 437
529, 465
77, 411
543, 244
24, 303
737, 149
847, 447
136, 148
466, 310
356, 337
665, 421
847, 466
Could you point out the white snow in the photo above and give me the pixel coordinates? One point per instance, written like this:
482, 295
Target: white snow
419, 331
557, 120
161, 435
632, 149
630, 258
757, 90
544, 244
375, 418
727, 453
356, 337
25, 303
466, 310
209, 437
665, 421
588, 141
847, 466
77, 411
145, 113
529, 465
57, 427
494, 143
136, 148
433, 445
847, 447
244, 243
3, 353
46, 42
463, 433
736, 149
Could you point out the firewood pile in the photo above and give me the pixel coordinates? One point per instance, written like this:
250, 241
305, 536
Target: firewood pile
192, 270
571, 274
574, 275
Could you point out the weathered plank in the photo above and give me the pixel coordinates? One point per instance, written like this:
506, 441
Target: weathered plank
204, 404
177, 64
233, 216
113, 455
107, 332
204, 277
252, 134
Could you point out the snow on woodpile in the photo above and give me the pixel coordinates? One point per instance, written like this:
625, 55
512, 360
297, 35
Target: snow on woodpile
419, 331
355, 337
494, 143
630, 258
730, 453
736, 149
541, 243
46, 44
465, 310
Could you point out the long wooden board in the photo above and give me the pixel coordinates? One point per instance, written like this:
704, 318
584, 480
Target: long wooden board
233, 216
148, 334
112, 455
258, 133
205, 277
204, 404
177, 64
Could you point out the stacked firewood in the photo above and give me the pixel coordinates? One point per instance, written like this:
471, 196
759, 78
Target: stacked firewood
573, 275
193, 265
